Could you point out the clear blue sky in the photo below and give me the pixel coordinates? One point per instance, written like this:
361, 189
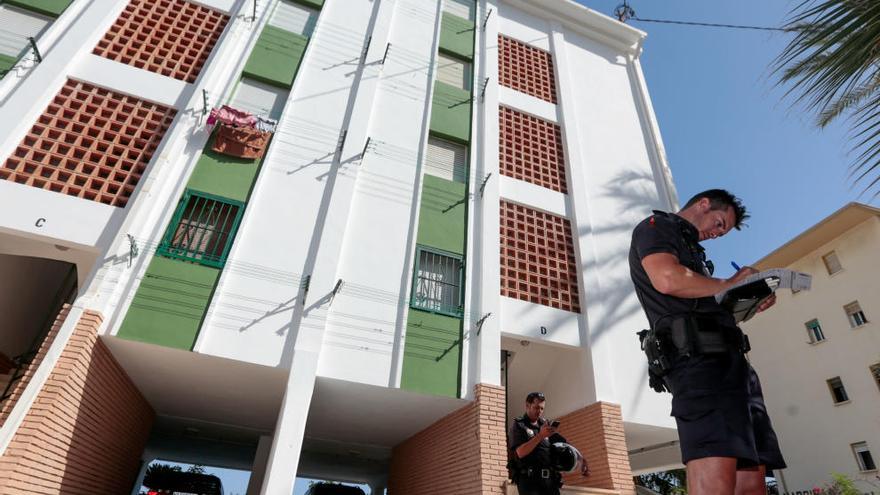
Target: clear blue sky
724, 124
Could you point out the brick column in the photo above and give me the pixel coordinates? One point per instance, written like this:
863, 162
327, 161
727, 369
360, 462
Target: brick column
464, 452
597, 431
87, 428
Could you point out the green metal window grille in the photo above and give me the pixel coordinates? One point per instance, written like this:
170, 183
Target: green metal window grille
202, 229
437, 282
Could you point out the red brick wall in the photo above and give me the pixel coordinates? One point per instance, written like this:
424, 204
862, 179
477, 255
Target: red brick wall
597, 431
462, 453
19, 386
537, 258
86, 430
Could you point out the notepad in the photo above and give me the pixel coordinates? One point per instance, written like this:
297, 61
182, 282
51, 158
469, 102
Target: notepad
744, 298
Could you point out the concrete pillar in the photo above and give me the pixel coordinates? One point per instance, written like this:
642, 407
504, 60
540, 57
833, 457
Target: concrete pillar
258, 469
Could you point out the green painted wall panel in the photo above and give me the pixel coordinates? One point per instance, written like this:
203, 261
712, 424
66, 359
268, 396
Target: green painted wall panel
6, 63
276, 56
442, 215
170, 303
315, 4
451, 113
457, 36
432, 354
52, 8
223, 175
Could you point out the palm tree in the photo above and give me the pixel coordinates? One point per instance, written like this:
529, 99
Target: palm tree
832, 66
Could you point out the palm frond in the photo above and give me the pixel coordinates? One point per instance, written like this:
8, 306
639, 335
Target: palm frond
832, 68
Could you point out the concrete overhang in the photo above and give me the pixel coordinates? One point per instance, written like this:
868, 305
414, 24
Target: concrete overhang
586, 22
818, 235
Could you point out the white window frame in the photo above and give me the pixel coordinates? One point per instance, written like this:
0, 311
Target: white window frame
814, 331
831, 389
859, 448
855, 315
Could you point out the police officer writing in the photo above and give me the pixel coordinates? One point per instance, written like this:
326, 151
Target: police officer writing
538, 451
696, 351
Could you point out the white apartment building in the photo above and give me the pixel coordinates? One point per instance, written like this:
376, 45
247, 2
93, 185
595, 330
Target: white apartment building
818, 353
408, 215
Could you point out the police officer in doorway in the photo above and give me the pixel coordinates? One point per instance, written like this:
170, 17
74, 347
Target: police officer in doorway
537, 450
726, 438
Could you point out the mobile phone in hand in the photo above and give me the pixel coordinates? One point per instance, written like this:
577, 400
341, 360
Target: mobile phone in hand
555, 423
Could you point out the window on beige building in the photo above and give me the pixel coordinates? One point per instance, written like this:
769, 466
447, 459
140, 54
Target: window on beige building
814, 330
832, 263
855, 315
838, 392
875, 372
863, 457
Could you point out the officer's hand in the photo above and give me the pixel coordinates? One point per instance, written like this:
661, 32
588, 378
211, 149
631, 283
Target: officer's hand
585, 468
741, 274
547, 430
770, 301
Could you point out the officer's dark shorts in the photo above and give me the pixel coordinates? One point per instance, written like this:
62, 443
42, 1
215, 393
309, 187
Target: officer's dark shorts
719, 408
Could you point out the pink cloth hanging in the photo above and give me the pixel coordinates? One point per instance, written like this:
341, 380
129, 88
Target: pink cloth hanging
231, 116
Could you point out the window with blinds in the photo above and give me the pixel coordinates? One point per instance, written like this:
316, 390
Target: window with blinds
202, 229
295, 18
832, 264
875, 372
855, 315
259, 98
18, 25
437, 282
454, 72
446, 160
462, 8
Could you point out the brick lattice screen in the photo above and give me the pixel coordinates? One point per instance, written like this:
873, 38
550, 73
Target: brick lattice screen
530, 149
169, 37
537, 258
91, 143
526, 69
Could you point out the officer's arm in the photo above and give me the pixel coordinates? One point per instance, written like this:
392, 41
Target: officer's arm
672, 278
527, 447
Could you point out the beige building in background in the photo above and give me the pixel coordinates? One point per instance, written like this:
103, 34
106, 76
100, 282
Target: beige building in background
818, 353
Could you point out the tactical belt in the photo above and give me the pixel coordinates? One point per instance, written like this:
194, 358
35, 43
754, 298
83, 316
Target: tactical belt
532, 472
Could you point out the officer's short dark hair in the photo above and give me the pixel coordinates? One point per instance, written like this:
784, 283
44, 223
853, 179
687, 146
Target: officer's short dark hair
719, 199
535, 397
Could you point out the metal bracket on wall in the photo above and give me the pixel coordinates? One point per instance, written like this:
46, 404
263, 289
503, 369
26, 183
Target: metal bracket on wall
480, 322
132, 249
366, 148
486, 19
483, 89
204, 102
483, 185
305, 286
336, 289
341, 141
387, 47
254, 14
366, 49
36, 50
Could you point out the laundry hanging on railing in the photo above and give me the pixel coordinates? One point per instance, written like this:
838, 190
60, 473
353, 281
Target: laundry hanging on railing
240, 133
242, 142
231, 116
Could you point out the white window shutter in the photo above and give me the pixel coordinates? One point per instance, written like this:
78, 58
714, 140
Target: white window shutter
446, 160
453, 72
461, 8
294, 18
17, 26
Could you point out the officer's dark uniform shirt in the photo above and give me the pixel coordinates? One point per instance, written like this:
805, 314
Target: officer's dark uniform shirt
669, 233
521, 431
